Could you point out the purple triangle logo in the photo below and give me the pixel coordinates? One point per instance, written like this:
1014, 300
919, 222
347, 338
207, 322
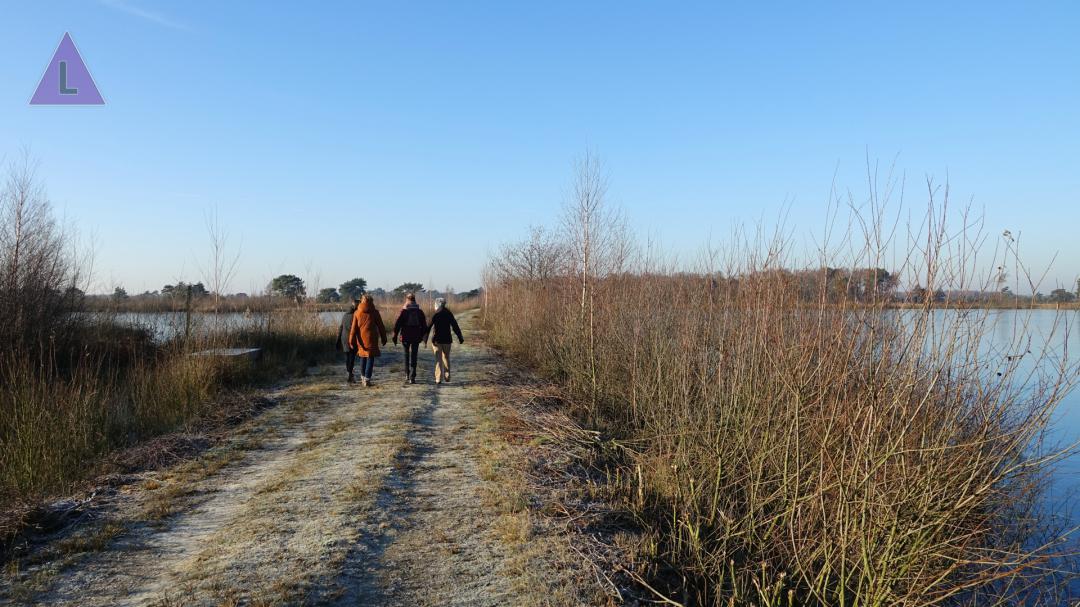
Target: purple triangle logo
66, 80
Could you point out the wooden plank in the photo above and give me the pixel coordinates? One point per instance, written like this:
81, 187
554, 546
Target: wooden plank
235, 353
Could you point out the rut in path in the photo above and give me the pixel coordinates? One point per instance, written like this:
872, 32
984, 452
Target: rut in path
340, 495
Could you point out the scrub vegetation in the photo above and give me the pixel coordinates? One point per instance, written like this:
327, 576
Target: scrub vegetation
788, 436
75, 386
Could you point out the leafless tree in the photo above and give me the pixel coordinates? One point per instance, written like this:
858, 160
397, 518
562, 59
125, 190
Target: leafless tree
221, 267
39, 271
597, 238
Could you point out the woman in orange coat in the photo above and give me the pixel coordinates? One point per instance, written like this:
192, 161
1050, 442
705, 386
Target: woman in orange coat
366, 332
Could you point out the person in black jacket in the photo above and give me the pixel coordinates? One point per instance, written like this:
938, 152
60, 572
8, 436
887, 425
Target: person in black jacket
411, 325
442, 322
343, 339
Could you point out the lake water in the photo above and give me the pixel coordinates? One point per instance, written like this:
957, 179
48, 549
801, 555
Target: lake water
1051, 341
167, 325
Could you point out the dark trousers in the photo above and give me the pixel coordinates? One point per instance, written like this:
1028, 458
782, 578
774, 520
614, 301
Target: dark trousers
411, 352
367, 366
350, 360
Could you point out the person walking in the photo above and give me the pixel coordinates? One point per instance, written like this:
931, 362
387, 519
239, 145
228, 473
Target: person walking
442, 322
343, 339
412, 327
365, 333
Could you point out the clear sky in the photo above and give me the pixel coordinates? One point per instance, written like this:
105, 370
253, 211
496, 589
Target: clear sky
404, 141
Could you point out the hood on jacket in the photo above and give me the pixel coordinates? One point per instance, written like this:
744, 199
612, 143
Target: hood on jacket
410, 305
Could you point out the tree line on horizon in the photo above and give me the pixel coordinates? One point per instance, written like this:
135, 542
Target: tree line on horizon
285, 286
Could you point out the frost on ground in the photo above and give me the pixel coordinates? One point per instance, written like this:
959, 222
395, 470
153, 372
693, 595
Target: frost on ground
340, 495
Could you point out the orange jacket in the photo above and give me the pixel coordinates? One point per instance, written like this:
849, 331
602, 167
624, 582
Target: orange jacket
367, 330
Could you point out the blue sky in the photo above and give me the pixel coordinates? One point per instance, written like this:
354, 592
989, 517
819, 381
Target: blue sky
406, 140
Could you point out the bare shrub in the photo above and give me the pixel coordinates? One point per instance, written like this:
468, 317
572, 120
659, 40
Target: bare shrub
794, 437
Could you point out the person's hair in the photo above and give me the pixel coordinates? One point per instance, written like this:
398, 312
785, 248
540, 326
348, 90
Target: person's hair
410, 297
365, 297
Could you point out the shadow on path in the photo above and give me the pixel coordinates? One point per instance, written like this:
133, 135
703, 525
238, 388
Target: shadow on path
365, 581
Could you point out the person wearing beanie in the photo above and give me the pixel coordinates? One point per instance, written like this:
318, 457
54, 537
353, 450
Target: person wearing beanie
343, 339
411, 325
442, 322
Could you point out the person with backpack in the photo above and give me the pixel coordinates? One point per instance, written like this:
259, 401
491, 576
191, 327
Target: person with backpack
411, 325
442, 322
343, 339
365, 332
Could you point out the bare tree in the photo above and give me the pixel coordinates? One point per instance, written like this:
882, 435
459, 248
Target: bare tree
541, 256
597, 238
39, 272
221, 267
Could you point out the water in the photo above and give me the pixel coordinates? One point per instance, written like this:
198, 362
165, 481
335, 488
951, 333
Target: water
164, 326
1048, 340
1024, 346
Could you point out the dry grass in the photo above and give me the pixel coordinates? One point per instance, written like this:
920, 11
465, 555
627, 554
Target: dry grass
59, 421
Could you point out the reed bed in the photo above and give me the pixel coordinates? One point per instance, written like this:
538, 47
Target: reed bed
789, 438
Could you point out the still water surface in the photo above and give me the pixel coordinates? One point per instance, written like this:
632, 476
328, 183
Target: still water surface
167, 325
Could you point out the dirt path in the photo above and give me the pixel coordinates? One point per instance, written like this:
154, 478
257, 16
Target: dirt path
340, 495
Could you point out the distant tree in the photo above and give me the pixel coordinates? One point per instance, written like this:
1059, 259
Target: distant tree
288, 285
408, 287
868, 284
470, 294
181, 290
352, 288
939, 296
328, 295
119, 294
1061, 296
377, 292
917, 294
